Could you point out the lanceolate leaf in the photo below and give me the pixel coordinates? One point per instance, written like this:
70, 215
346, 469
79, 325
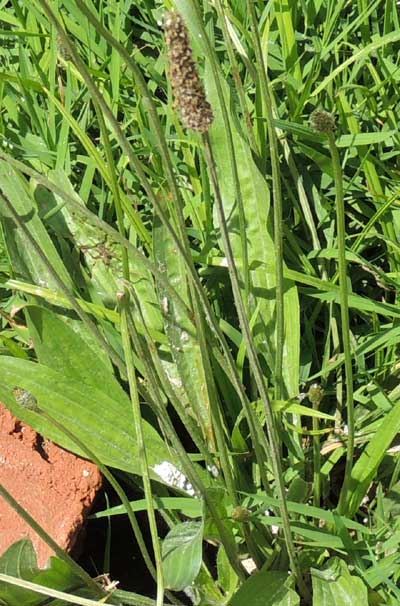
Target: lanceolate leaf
103, 259
260, 245
256, 202
25, 260
60, 345
102, 422
184, 344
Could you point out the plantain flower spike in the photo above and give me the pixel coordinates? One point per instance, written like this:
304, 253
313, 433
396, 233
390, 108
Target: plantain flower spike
190, 97
322, 121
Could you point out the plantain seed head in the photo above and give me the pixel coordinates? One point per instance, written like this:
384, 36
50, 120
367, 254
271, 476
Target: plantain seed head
190, 97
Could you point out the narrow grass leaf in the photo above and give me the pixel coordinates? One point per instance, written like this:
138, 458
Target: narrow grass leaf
267, 588
24, 258
362, 53
190, 507
366, 466
365, 139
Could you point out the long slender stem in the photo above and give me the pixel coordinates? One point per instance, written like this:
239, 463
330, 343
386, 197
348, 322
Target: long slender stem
115, 189
344, 313
165, 385
158, 374
184, 461
256, 369
136, 599
315, 395
123, 303
316, 463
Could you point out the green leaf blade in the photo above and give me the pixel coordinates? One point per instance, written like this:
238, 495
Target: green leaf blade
182, 555
335, 586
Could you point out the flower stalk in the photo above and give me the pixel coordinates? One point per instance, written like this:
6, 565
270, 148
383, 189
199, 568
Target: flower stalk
324, 122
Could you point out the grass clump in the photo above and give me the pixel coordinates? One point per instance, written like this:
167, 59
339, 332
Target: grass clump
204, 264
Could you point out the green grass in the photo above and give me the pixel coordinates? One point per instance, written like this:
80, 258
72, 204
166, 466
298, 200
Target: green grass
234, 290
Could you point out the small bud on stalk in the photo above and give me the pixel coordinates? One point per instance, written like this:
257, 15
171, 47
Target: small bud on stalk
322, 121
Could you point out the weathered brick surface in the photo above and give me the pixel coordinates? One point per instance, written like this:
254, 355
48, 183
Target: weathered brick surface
55, 486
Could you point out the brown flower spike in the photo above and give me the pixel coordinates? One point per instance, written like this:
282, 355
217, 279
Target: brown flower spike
322, 121
190, 97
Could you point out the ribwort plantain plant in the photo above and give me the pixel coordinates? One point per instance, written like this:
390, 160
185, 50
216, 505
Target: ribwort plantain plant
199, 289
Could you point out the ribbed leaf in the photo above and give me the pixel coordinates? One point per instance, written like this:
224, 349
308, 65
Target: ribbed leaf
335, 586
260, 245
62, 347
256, 201
103, 423
182, 554
25, 260
103, 258
184, 344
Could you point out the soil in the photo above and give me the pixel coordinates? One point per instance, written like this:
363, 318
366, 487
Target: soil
55, 486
